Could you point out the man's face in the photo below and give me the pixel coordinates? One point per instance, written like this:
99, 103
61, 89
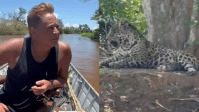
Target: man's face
47, 31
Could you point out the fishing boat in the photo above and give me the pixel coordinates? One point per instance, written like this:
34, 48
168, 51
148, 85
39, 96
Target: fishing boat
77, 95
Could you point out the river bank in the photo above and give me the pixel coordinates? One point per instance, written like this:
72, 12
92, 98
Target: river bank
92, 35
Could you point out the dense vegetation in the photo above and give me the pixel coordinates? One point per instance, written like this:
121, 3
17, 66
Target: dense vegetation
94, 35
114, 11
14, 24
83, 30
9, 27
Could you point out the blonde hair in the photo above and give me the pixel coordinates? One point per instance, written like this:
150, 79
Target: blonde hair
34, 16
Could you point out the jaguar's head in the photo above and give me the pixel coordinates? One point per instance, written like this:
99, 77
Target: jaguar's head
120, 34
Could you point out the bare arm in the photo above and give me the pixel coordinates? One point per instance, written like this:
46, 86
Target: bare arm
10, 50
63, 73
2, 79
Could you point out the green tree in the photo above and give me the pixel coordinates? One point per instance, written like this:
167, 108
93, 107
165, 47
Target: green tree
20, 16
80, 27
114, 11
9, 27
86, 28
66, 30
96, 15
61, 26
96, 35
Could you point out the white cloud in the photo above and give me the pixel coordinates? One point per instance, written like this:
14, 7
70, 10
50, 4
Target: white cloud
66, 25
56, 15
17, 10
95, 27
75, 25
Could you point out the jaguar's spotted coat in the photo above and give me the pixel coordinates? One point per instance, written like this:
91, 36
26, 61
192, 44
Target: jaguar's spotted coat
132, 50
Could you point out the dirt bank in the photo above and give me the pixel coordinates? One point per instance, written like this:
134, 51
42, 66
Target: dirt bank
150, 91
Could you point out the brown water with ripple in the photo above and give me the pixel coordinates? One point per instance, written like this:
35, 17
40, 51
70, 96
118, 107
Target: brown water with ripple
85, 56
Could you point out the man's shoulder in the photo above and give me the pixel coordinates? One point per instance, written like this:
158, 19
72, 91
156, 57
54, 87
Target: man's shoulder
64, 50
64, 47
10, 50
15, 43
65, 56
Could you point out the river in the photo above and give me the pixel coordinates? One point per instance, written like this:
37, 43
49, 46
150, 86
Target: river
85, 55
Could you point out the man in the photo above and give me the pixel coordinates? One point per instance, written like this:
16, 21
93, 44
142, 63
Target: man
36, 64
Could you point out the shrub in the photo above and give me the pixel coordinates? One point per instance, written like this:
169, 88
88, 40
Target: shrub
93, 35
8, 27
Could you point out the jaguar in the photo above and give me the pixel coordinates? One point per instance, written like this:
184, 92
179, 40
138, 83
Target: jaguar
132, 50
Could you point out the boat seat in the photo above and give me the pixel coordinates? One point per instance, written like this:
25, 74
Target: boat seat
52, 94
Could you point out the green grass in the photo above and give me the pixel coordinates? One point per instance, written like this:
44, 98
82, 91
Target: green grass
94, 35
87, 34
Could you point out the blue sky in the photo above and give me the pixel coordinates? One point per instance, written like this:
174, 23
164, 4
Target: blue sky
72, 12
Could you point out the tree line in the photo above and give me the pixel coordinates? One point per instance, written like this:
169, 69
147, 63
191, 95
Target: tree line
73, 30
14, 24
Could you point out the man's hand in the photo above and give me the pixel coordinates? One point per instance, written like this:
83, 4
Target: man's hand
3, 108
41, 87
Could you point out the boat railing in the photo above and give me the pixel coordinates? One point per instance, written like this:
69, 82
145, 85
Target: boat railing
86, 94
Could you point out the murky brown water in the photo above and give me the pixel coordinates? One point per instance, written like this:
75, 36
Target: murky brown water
85, 56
